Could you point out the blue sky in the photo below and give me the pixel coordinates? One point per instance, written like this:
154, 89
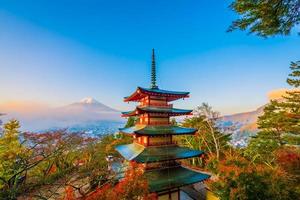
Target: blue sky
57, 52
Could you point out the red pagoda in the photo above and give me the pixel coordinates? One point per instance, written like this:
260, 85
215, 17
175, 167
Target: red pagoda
154, 144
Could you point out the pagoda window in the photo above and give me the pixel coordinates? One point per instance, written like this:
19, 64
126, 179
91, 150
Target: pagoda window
139, 140
144, 101
142, 119
145, 140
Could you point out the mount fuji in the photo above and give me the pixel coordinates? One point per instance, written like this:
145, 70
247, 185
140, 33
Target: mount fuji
87, 114
89, 109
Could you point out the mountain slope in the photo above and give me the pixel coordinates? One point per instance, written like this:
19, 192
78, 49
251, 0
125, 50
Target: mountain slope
247, 120
88, 104
245, 125
86, 111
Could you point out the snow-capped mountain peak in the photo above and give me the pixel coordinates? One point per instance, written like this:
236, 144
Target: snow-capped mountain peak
88, 100
87, 105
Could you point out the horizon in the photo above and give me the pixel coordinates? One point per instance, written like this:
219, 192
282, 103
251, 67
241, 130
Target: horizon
58, 55
28, 106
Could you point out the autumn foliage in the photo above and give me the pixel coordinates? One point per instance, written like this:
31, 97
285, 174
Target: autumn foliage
238, 178
38, 164
289, 159
132, 186
69, 193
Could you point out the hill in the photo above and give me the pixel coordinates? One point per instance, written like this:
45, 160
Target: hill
245, 125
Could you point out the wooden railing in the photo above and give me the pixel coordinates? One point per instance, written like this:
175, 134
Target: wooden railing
173, 143
159, 123
157, 105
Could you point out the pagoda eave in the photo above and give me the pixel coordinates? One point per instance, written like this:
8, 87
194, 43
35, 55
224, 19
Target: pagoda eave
157, 110
168, 178
140, 154
157, 130
143, 92
169, 114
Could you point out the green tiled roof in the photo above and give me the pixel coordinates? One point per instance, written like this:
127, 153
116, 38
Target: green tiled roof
141, 154
163, 91
157, 130
130, 151
164, 179
159, 110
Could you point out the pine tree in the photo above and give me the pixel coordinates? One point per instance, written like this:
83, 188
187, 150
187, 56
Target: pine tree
280, 123
266, 18
173, 122
131, 122
11, 150
291, 105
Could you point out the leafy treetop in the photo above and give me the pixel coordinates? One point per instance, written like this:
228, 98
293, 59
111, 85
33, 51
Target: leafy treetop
266, 18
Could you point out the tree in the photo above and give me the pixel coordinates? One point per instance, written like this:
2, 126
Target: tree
133, 186
239, 178
41, 158
293, 78
266, 18
131, 122
38, 164
280, 123
208, 137
288, 158
1, 125
292, 100
10, 152
173, 122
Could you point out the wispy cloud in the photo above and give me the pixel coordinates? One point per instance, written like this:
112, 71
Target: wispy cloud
279, 93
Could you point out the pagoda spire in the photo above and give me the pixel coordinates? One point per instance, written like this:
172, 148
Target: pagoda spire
153, 72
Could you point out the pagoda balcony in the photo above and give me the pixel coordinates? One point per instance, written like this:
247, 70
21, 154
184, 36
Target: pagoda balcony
158, 110
159, 123
160, 105
154, 123
159, 144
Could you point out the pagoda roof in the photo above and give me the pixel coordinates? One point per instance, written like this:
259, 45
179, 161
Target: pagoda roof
143, 92
141, 154
168, 178
152, 109
158, 130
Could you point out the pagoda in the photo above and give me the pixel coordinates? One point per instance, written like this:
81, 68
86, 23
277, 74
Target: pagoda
153, 140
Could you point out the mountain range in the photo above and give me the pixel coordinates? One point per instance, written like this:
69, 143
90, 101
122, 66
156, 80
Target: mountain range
82, 113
